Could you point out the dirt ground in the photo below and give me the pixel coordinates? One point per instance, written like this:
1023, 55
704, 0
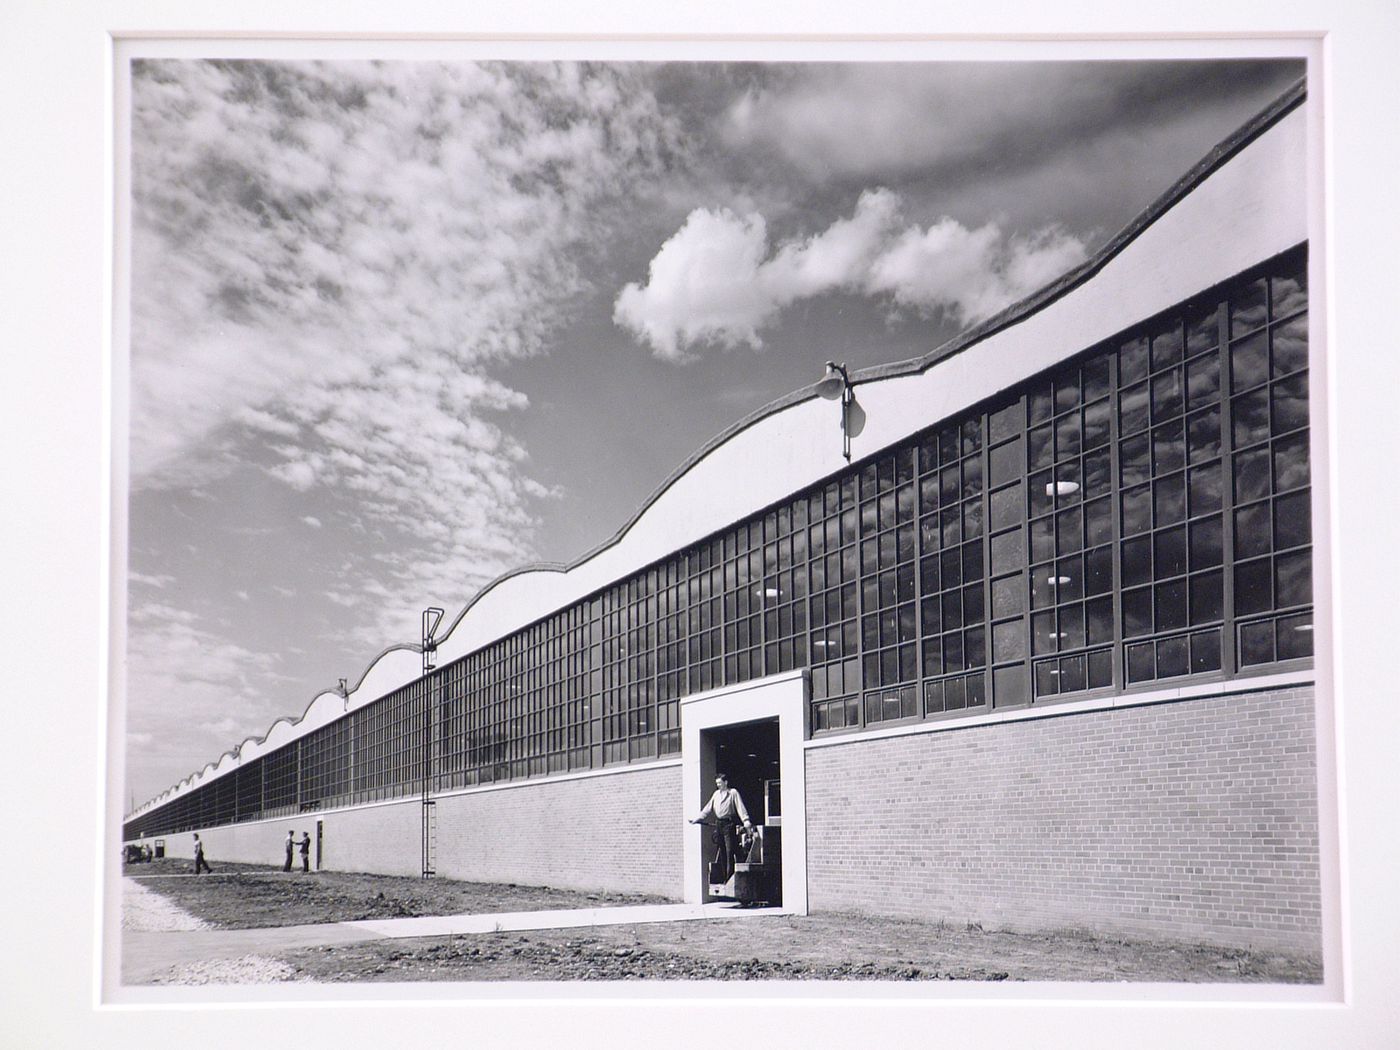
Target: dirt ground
818, 947
250, 896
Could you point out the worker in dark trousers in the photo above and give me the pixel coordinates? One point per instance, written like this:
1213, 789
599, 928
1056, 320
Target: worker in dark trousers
290, 844
728, 810
199, 861
305, 851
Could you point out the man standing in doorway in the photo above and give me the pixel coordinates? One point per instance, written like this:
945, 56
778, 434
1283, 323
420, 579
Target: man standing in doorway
199, 861
727, 807
290, 844
305, 851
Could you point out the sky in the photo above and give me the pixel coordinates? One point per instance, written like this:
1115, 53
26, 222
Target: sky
400, 327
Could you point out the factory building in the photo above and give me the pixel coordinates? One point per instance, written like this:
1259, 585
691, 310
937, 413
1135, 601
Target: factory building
1017, 633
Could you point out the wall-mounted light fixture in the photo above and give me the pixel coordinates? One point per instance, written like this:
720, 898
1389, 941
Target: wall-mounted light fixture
837, 383
432, 616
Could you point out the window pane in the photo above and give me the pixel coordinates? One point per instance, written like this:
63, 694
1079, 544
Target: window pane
1098, 522
1290, 290
1007, 552
1168, 447
1141, 663
1252, 531
1169, 552
1207, 598
1135, 461
1042, 539
1257, 643
1203, 381
1100, 669
1005, 463
1251, 415
1290, 462
1294, 579
1137, 510
1206, 546
1072, 674
1009, 641
1166, 345
1172, 657
1292, 520
1098, 571
1169, 499
1008, 596
1072, 627
1069, 531
1132, 360
1010, 685
1251, 475
1133, 409
1203, 435
1170, 605
1248, 308
1291, 346
1205, 651
1168, 397
1205, 489
1098, 615
1007, 506
1290, 403
1137, 612
1096, 424
1295, 634
1005, 421
1253, 587
1137, 561
1067, 437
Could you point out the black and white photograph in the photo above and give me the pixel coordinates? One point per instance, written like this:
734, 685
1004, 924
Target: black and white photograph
705, 521
548, 531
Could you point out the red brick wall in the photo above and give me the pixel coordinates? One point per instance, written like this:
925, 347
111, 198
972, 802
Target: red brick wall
1189, 820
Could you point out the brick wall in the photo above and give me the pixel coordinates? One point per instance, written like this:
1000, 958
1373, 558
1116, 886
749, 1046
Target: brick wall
618, 832
1190, 820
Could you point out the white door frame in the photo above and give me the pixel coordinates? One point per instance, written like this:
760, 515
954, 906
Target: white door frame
781, 696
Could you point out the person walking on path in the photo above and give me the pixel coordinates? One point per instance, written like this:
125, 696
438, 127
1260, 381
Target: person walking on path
727, 807
199, 861
305, 851
287, 864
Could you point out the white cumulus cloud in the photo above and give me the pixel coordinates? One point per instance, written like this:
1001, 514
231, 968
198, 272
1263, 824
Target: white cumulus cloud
717, 281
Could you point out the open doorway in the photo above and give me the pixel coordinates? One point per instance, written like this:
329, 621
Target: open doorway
720, 730
748, 754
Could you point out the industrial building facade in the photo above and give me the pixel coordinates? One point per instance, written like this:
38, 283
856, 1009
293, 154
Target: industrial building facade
1040, 656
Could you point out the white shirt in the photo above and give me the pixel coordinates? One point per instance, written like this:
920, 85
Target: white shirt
723, 804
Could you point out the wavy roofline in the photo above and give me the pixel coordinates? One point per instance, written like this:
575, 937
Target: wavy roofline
1014, 314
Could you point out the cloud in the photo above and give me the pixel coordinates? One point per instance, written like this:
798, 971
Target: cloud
200, 679
715, 281
312, 521
975, 119
330, 261
157, 580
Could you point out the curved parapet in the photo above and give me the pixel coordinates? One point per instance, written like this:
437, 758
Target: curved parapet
1244, 202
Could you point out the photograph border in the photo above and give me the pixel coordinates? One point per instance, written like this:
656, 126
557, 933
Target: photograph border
77, 418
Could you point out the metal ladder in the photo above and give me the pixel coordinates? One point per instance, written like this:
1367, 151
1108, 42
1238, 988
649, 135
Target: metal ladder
429, 837
431, 618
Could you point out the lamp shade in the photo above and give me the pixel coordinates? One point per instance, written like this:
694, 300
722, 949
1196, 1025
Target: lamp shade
833, 384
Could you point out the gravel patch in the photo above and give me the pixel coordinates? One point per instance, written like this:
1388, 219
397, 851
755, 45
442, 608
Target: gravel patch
249, 969
149, 912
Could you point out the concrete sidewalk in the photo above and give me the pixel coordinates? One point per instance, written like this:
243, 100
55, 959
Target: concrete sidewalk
145, 954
